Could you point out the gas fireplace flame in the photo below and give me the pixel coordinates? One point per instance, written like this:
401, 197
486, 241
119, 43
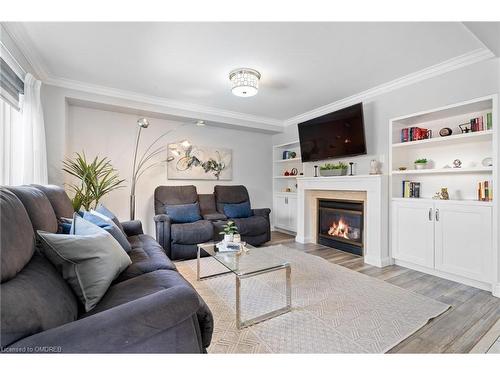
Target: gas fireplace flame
339, 229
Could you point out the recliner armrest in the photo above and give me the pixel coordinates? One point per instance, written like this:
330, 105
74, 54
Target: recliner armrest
132, 227
161, 218
130, 327
261, 211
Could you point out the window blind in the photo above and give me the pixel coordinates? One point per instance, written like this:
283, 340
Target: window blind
11, 86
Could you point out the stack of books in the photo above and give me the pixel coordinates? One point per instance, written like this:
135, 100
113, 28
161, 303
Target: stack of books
414, 134
481, 123
411, 189
485, 191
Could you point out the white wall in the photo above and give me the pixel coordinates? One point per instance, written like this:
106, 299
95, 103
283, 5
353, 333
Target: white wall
467, 83
73, 128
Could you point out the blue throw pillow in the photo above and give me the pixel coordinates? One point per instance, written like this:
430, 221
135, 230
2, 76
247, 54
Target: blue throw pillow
109, 226
183, 213
237, 210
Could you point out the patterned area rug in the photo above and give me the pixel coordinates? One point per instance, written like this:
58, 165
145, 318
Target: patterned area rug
334, 309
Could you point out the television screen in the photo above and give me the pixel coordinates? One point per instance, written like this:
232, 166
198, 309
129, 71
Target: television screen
335, 135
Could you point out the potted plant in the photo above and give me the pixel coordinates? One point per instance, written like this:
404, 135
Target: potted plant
339, 169
420, 163
94, 179
229, 230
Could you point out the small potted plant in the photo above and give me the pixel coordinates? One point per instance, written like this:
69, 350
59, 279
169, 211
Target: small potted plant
229, 230
339, 169
420, 163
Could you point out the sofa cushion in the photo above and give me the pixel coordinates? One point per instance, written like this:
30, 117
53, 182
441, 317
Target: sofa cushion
146, 256
89, 260
137, 287
40, 211
109, 226
192, 233
237, 210
252, 226
17, 239
35, 300
58, 199
104, 211
183, 213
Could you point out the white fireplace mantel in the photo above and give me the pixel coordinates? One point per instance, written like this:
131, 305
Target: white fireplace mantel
376, 246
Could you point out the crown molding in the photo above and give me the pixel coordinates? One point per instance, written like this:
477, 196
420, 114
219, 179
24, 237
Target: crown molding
201, 110
421, 75
27, 48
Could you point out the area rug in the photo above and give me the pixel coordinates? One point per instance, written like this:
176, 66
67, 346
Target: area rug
334, 309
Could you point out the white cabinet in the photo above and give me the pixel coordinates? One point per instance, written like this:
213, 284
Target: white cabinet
285, 212
413, 233
463, 240
455, 238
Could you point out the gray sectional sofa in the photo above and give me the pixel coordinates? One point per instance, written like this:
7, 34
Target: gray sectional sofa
150, 307
179, 240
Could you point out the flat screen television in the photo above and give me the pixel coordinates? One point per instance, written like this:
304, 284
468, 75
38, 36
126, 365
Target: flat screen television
335, 135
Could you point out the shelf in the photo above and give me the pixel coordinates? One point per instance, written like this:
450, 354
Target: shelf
444, 171
484, 135
287, 160
288, 144
284, 177
441, 201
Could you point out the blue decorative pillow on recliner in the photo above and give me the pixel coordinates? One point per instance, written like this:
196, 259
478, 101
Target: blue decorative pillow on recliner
183, 213
237, 210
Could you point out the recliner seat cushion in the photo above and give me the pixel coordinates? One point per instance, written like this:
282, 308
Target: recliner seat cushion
146, 256
192, 233
36, 203
252, 226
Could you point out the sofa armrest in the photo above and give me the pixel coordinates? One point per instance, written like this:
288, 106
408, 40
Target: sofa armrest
132, 227
261, 211
136, 326
162, 226
214, 216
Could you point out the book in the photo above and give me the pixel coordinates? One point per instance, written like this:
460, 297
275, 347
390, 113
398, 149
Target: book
489, 120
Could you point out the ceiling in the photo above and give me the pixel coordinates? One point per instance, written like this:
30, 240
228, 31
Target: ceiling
303, 65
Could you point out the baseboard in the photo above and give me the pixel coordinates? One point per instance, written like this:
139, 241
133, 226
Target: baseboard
495, 290
448, 276
377, 262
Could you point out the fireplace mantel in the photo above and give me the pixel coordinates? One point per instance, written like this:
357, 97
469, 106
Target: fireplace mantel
376, 246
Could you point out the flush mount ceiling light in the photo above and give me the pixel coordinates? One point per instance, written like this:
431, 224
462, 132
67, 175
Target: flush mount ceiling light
245, 82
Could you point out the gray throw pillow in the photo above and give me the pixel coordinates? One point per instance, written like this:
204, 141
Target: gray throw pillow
109, 226
89, 260
104, 211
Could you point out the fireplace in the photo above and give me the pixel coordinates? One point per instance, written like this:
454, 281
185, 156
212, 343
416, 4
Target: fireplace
340, 225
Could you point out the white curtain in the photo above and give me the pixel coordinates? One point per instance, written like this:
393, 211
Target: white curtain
23, 157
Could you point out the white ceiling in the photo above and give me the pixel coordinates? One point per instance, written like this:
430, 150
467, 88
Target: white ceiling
303, 65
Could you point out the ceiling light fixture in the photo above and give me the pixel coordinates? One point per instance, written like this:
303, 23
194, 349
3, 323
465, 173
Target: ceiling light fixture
245, 82
200, 123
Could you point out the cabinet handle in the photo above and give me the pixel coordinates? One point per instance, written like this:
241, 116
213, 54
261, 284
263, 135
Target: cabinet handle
430, 214
437, 214
286, 200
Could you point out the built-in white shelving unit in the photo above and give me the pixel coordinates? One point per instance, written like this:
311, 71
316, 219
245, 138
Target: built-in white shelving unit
451, 238
285, 187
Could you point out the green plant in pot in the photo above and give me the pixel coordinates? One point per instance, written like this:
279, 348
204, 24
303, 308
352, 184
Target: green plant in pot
95, 179
330, 169
230, 231
420, 163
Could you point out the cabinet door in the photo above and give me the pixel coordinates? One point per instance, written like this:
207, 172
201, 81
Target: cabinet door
413, 232
280, 212
292, 213
464, 240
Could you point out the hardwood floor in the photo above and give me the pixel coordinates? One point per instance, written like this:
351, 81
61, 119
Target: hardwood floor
458, 330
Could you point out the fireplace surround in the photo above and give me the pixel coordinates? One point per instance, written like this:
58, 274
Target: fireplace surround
340, 224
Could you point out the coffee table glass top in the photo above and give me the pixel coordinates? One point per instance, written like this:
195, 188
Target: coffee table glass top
252, 261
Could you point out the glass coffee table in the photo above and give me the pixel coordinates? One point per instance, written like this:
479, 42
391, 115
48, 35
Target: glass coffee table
244, 265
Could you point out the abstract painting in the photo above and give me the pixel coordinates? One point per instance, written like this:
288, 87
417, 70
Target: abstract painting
191, 162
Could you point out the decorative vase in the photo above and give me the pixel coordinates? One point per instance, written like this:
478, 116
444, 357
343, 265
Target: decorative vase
228, 238
420, 165
236, 237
